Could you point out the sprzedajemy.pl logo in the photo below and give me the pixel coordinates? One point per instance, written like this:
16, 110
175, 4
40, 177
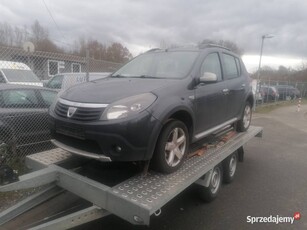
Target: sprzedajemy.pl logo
273, 219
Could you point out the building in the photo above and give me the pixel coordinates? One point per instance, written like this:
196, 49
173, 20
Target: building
47, 64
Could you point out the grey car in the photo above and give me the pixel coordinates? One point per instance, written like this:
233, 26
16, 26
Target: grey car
155, 106
24, 114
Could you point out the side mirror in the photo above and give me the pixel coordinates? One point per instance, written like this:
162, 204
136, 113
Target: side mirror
208, 77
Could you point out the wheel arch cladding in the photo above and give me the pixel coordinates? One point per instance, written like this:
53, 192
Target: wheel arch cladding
250, 99
186, 118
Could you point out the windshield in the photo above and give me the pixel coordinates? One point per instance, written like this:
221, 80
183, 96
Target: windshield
20, 75
168, 64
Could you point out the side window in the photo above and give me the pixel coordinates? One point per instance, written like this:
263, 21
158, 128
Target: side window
238, 66
19, 98
48, 96
212, 64
2, 80
55, 82
230, 66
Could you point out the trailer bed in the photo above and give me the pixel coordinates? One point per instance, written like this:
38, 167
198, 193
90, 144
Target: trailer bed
134, 199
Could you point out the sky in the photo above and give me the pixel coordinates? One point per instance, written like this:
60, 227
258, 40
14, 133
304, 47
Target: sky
144, 24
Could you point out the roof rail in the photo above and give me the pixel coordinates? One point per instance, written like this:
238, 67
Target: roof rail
208, 45
151, 50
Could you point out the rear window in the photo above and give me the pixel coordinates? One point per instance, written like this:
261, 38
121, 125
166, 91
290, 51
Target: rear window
231, 66
20, 75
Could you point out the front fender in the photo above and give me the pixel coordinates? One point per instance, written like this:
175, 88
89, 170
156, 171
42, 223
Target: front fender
163, 112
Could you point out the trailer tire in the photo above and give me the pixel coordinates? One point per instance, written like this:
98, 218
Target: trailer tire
170, 143
208, 194
230, 167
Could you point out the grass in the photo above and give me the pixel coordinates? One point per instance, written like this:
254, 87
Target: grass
269, 107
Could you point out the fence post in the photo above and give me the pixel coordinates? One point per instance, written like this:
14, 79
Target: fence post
87, 64
299, 105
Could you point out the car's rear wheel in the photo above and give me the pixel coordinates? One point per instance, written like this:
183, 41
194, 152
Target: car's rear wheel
246, 118
172, 147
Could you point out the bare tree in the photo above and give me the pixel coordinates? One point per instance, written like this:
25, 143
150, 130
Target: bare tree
6, 34
38, 33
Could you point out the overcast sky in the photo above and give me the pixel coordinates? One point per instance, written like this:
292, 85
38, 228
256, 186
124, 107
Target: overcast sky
144, 24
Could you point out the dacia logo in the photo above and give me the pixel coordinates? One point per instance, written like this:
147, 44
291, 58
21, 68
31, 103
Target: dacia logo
71, 111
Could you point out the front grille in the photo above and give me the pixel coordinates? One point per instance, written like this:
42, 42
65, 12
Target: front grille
81, 114
76, 132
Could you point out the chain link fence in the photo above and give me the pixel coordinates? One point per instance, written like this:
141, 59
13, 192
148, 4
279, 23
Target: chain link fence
270, 91
24, 102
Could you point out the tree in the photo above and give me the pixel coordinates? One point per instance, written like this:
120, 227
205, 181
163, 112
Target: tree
6, 34
118, 53
40, 39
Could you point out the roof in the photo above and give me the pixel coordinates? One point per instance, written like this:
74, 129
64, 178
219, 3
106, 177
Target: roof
4, 86
13, 65
190, 48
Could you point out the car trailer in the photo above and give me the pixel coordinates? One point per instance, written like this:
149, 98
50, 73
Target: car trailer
134, 199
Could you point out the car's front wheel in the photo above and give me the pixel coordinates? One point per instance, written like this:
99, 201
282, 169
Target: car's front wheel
246, 118
171, 148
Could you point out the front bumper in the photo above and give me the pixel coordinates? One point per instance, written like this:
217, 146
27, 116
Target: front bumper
131, 139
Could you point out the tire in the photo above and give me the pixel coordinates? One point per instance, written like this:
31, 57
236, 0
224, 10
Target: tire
245, 121
230, 168
171, 148
208, 194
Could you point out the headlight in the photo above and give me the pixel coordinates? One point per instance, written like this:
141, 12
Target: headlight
128, 106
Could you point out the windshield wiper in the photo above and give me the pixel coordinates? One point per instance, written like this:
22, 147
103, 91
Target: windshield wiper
146, 76
135, 76
118, 76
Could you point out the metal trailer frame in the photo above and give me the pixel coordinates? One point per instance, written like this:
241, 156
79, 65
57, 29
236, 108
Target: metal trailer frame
133, 200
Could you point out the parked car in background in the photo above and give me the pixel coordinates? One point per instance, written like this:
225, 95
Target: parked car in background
258, 97
17, 73
65, 80
155, 106
269, 93
24, 114
287, 92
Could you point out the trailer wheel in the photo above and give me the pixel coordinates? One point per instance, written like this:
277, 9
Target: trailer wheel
230, 167
208, 194
246, 118
171, 148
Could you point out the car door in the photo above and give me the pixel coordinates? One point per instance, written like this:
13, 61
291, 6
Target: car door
235, 83
210, 98
21, 109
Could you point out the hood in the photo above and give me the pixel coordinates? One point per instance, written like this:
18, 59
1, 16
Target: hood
112, 89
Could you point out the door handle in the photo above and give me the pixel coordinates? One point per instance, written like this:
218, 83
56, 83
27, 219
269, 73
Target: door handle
225, 91
242, 87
